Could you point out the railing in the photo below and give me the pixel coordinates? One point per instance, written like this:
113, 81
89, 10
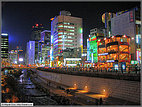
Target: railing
130, 73
132, 70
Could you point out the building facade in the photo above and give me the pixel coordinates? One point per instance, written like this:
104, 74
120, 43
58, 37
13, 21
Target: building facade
44, 48
4, 50
92, 55
114, 52
36, 36
128, 22
13, 56
30, 54
4, 45
66, 40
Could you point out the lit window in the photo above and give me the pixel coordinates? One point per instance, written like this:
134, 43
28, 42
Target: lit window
60, 33
60, 26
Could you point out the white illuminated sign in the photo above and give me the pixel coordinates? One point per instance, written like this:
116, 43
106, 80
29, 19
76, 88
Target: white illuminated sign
110, 61
73, 59
20, 59
84, 54
4, 34
15, 62
71, 64
103, 54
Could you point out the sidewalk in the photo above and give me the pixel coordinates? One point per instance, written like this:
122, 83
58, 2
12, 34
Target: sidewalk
84, 98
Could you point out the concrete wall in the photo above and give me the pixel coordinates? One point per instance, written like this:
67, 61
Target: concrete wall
127, 90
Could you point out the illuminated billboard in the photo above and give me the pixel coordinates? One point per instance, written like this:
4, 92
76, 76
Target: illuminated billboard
92, 49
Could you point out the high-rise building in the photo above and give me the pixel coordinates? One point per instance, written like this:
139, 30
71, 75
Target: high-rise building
36, 36
4, 46
128, 23
13, 56
44, 48
106, 19
30, 52
66, 40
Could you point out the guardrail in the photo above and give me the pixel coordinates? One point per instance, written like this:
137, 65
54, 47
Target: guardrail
132, 70
93, 72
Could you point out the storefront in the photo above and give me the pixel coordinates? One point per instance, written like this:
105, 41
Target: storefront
113, 52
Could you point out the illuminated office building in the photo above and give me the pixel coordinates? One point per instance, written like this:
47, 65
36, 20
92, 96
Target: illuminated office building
36, 36
30, 55
13, 56
44, 48
114, 52
4, 46
66, 40
128, 22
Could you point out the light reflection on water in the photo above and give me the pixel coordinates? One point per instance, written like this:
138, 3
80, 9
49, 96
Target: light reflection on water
21, 77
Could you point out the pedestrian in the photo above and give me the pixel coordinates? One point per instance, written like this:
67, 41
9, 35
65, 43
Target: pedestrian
136, 68
97, 101
101, 101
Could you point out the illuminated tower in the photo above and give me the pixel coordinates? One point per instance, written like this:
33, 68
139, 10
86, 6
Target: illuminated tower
66, 39
44, 48
30, 55
36, 36
4, 45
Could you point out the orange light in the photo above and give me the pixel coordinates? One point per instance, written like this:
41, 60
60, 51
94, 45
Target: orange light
3, 91
86, 88
104, 38
52, 19
82, 91
7, 100
7, 90
14, 99
20, 50
75, 86
96, 95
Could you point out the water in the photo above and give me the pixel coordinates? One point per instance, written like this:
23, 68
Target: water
32, 94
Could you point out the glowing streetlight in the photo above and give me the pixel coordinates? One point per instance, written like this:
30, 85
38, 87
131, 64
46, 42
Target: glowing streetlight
86, 88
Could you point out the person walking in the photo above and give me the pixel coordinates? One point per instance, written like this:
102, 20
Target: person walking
101, 101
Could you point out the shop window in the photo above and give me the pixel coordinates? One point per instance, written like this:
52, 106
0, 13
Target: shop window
123, 48
102, 58
112, 48
122, 39
124, 56
112, 57
118, 39
109, 65
102, 50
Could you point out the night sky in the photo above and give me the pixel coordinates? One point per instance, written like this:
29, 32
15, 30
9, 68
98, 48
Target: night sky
19, 17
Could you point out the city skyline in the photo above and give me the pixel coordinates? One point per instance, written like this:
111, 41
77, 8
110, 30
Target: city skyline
17, 20
71, 53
